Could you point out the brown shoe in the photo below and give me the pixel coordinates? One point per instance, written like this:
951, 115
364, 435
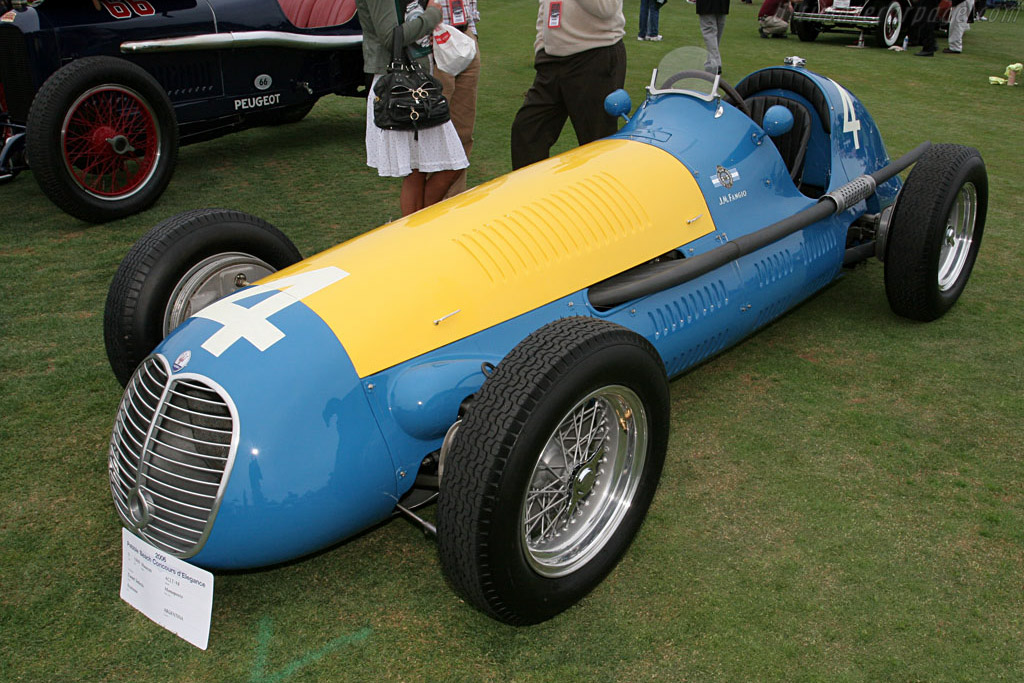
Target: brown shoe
947, 51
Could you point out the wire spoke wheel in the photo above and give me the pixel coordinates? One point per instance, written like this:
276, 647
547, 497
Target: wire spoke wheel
584, 481
111, 142
552, 470
102, 138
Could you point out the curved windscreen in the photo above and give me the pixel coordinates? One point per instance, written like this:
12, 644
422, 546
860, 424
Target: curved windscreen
683, 71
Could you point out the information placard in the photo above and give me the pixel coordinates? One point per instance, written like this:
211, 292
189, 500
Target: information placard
171, 592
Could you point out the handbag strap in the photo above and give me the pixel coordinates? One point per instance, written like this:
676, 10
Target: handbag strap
400, 54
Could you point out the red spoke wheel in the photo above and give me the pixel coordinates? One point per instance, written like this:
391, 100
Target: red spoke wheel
102, 139
111, 142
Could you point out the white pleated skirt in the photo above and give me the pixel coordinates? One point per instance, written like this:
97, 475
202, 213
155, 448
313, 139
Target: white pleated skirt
396, 153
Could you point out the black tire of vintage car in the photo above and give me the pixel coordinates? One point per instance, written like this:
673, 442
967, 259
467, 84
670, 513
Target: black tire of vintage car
552, 469
181, 265
805, 30
890, 24
935, 232
102, 139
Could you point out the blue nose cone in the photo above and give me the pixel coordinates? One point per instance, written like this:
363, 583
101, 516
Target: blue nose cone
308, 464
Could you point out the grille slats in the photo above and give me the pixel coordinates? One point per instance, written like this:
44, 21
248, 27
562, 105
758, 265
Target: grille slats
188, 530
157, 494
198, 442
195, 468
155, 484
123, 478
182, 451
133, 431
223, 432
170, 453
191, 522
188, 480
140, 406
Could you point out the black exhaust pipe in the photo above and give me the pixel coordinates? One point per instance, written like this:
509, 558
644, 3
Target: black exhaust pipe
658, 277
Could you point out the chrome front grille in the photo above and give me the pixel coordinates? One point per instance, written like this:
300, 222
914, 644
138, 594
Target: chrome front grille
170, 455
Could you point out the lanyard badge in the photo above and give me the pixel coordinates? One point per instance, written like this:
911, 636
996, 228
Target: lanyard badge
555, 14
458, 12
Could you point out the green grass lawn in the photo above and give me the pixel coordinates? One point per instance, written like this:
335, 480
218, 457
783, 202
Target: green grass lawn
843, 497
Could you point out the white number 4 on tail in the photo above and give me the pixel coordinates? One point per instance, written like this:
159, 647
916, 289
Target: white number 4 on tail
851, 124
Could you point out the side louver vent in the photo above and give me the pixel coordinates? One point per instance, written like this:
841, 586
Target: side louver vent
170, 454
586, 216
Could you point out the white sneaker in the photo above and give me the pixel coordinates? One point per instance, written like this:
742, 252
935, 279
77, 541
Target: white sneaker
654, 38
641, 38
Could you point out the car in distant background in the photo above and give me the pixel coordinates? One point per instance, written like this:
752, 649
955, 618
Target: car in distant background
96, 96
886, 20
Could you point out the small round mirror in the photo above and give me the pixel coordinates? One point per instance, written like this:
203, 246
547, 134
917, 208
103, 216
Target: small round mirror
618, 104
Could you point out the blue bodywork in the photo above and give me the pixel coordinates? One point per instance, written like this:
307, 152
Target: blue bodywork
324, 453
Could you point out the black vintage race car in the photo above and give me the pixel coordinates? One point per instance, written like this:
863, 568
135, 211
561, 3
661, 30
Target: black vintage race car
889, 21
97, 95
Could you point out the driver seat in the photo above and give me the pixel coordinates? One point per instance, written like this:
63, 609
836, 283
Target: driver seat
793, 145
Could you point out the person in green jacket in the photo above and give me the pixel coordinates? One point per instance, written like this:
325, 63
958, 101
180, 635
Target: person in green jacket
428, 162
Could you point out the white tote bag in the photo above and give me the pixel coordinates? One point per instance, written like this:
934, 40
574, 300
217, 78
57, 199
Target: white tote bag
453, 49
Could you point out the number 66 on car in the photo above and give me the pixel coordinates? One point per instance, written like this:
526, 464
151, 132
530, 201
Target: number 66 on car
507, 352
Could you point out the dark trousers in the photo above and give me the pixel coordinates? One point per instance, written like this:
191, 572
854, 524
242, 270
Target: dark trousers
923, 23
572, 87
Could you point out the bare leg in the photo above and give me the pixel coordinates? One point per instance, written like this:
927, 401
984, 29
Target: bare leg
437, 185
411, 198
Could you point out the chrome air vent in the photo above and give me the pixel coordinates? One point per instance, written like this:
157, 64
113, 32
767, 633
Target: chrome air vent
170, 456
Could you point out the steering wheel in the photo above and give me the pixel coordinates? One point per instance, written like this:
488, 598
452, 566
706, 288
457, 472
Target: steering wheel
731, 96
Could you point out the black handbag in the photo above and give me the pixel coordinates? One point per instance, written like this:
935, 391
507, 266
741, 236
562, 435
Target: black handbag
406, 97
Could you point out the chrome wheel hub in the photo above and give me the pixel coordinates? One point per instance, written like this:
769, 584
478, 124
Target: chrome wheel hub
959, 237
211, 279
584, 481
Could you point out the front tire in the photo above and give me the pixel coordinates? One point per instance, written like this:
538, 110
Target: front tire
553, 469
936, 232
102, 139
805, 30
180, 266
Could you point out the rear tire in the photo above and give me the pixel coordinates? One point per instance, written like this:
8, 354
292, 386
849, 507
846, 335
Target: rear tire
181, 265
936, 232
553, 469
102, 139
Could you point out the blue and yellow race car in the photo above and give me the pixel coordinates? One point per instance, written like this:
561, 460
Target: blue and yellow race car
507, 353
